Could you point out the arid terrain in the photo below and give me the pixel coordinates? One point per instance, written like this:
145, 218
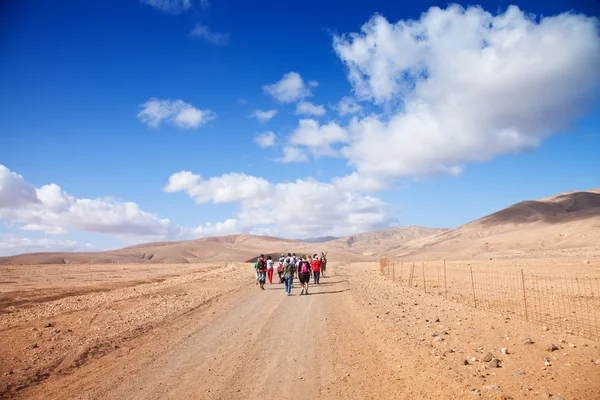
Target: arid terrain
97, 326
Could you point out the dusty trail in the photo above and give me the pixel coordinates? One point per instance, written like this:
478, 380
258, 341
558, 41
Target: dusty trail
212, 334
252, 344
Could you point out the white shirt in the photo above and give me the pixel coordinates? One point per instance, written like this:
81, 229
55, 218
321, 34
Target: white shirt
269, 264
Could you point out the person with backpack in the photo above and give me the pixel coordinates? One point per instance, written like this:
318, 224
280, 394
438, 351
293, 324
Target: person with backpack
288, 275
323, 264
270, 269
280, 268
261, 267
256, 271
304, 274
316, 268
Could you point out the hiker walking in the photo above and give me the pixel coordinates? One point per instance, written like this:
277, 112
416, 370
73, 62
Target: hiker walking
304, 274
256, 271
280, 268
288, 275
316, 269
270, 269
261, 268
323, 264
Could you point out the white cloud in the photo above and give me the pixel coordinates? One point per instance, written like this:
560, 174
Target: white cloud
293, 209
227, 227
47, 229
14, 192
266, 139
292, 154
308, 108
51, 209
11, 245
169, 6
470, 86
313, 83
204, 32
263, 116
177, 113
226, 188
347, 105
289, 89
318, 138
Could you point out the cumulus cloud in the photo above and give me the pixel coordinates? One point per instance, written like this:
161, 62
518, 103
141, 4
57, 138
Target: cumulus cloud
308, 108
318, 138
14, 192
11, 245
347, 105
203, 32
47, 229
177, 113
289, 89
465, 86
292, 154
266, 139
301, 208
170, 6
50, 209
263, 116
226, 188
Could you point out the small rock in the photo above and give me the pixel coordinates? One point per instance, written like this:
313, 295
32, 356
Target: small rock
556, 398
48, 325
527, 388
572, 345
492, 387
525, 340
545, 328
438, 339
586, 262
56, 331
552, 347
465, 362
493, 363
504, 351
547, 362
33, 346
488, 357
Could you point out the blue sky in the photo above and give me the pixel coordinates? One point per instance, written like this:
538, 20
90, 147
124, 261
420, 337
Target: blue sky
142, 116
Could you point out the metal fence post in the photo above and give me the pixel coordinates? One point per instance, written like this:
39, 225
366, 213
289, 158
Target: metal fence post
473, 287
445, 282
524, 296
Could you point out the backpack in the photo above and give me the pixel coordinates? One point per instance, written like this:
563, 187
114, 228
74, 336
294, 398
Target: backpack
280, 267
261, 265
305, 267
323, 260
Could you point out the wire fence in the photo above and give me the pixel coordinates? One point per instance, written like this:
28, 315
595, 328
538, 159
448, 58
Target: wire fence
566, 303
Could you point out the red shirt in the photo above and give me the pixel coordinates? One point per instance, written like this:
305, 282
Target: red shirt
316, 265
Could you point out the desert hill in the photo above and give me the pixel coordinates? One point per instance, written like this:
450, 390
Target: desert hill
567, 224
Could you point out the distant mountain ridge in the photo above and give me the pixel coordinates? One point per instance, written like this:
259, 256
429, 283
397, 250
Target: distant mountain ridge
564, 224
323, 239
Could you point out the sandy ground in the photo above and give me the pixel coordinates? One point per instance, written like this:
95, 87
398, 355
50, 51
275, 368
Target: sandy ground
207, 331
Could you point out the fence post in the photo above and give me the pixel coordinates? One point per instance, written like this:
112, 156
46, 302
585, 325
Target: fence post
401, 266
394, 271
524, 296
473, 287
423, 269
445, 282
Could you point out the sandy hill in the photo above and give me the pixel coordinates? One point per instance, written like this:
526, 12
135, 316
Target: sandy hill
567, 224
221, 248
365, 246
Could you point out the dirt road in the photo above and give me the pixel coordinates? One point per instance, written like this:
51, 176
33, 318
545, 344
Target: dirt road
356, 336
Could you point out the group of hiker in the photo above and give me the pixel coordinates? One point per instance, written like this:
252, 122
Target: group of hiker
290, 266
